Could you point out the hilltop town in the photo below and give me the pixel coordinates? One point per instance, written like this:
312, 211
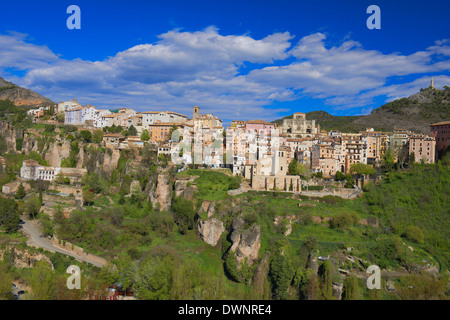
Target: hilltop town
257, 150
161, 205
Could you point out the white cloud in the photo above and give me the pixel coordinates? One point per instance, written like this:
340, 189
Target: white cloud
205, 68
16, 53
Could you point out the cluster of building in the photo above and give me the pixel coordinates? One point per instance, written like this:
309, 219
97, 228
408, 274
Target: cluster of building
258, 150
32, 170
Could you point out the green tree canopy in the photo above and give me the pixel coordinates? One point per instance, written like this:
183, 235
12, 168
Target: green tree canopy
9, 214
132, 131
145, 135
362, 169
20, 194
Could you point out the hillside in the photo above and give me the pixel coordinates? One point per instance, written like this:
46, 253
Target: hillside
414, 113
21, 96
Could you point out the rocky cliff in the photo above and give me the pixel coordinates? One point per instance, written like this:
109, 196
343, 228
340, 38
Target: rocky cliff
210, 230
245, 242
23, 258
21, 96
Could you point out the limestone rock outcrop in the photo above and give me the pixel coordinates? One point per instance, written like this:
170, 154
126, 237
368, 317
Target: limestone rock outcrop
245, 242
208, 207
210, 230
163, 193
24, 258
56, 153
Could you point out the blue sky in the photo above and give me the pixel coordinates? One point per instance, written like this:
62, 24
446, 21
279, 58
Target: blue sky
236, 59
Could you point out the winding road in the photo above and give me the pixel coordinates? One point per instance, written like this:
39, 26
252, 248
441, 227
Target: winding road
37, 238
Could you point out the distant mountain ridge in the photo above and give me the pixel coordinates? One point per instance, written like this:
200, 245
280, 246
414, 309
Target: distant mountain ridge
21, 96
414, 113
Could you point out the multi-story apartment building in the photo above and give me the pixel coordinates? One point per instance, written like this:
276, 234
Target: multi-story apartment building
160, 131
441, 133
423, 148
323, 158
354, 150
110, 119
79, 116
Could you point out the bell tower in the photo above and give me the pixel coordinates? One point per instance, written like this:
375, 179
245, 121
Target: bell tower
196, 112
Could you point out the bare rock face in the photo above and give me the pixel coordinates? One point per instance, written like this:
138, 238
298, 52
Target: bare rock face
9, 133
135, 186
209, 207
313, 264
163, 192
24, 258
190, 191
210, 230
246, 242
56, 153
110, 161
337, 290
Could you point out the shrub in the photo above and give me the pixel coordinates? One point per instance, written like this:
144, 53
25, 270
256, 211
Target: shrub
414, 234
343, 220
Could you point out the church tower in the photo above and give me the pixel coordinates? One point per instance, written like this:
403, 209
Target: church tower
196, 113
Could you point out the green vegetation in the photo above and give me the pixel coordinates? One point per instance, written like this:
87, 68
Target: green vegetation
212, 184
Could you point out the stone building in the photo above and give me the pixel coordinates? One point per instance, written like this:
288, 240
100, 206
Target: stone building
271, 173
299, 127
32, 170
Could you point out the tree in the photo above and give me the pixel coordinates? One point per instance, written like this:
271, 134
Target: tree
414, 234
411, 159
42, 282
88, 195
98, 136
326, 276
132, 131
351, 289
183, 214
388, 161
362, 169
145, 135
6, 278
154, 278
343, 220
86, 136
32, 207
9, 214
281, 270
20, 194
296, 168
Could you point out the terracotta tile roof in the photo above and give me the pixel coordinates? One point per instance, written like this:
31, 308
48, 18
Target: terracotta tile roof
440, 123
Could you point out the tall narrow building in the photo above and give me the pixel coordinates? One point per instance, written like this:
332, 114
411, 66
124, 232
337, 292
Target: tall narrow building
195, 113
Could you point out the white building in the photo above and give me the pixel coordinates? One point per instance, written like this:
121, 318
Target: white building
79, 116
151, 117
68, 105
32, 170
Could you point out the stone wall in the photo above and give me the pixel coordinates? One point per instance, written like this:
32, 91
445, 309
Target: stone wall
78, 251
68, 189
56, 198
282, 183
